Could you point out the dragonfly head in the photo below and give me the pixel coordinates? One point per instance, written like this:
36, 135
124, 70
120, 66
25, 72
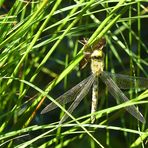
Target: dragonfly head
97, 55
93, 53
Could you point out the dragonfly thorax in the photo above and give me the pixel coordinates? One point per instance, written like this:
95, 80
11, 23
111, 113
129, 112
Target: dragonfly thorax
97, 62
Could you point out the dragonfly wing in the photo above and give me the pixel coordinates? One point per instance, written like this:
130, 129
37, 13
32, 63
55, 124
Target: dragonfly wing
128, 82
67, 97
118, 94
80, 96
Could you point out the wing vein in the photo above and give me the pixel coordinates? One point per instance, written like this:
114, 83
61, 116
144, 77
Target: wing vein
118, 94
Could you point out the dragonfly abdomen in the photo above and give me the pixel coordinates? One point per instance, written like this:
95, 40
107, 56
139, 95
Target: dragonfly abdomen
94, 99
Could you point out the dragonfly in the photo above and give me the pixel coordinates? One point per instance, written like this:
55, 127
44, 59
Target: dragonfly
114, 83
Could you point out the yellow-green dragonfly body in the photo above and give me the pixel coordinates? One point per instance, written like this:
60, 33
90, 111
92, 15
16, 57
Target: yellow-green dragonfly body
113, 82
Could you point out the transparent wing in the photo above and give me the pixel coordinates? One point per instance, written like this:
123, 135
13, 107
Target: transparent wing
67, 97
118, 94
80, 96
128, 82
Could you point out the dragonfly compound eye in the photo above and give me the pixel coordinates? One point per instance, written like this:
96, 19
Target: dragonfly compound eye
97, 54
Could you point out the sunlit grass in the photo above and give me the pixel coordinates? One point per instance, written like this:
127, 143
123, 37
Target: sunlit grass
36, 39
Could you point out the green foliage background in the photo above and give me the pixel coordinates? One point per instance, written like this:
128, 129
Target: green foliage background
40, 52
